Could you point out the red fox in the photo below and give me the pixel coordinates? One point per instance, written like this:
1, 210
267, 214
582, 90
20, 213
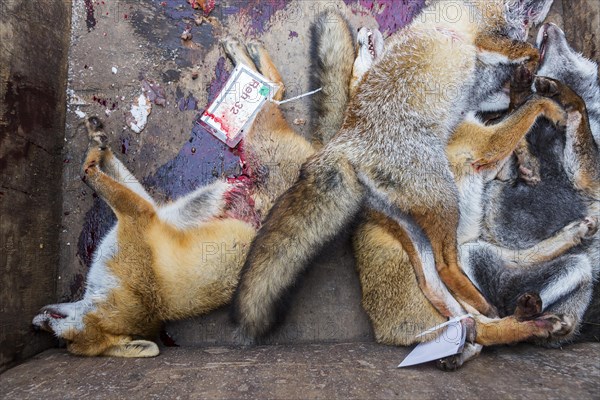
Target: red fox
389, 155
172, 261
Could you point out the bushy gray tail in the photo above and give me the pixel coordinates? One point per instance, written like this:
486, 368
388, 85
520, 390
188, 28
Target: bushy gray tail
303, 220
332, 54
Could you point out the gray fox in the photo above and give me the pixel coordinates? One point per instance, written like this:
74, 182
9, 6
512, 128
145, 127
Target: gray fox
518, 215
389, 155
510, 254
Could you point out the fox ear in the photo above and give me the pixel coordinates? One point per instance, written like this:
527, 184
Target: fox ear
133, 349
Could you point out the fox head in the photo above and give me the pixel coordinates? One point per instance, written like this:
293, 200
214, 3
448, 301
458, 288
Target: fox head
560, 61
521, 15
86, 334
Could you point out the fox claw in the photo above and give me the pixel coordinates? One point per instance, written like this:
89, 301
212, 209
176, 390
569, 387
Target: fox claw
546, 87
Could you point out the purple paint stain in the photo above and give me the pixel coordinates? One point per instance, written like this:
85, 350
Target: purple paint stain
187, 103
391, 15
124, 145
258, 11
293, 35
90, 19
202, 159
178, 10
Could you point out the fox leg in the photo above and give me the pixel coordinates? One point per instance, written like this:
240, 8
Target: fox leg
513, 51
527, 323
259, 54
581, 154
520, 90
122, 199
110, 164
503, 137
256, 57
436, 213
440, 228
549, 249
321, 202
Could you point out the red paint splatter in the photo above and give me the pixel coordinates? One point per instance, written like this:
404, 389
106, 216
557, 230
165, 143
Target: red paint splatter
219, 120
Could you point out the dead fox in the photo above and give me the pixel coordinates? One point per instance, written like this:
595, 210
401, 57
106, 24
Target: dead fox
477, 154
389, 155
518, 215
172, 261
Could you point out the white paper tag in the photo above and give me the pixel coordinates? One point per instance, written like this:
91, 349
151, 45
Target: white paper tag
231, 113
451, 341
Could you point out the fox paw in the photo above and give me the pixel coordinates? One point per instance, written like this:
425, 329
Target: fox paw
554, 325
529, 166
528, 306
255, 51
530, 173
592, 226
96, 132
236, 51
582, 229
450, 364
546, 87
521, 79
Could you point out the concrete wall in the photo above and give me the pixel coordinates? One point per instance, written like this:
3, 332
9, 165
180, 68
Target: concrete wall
34, 41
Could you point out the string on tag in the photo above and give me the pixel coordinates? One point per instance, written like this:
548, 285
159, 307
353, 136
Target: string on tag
450, 321
296, 98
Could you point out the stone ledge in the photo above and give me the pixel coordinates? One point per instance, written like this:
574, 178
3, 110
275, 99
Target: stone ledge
357, 370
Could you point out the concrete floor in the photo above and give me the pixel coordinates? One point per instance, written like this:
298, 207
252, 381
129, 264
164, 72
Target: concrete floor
320, 371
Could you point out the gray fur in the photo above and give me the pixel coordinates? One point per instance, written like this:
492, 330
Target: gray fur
332, 56
391, 147
519, 215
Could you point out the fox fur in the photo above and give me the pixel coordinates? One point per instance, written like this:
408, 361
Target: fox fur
171, 261
520, 214
399, 310
389, 155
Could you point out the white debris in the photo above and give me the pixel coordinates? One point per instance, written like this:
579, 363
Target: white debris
114, 70
80, 113
75, 100
139, 114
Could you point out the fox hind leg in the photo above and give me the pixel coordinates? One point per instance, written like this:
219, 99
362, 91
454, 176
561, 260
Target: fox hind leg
236, 51
265, 65
108, 162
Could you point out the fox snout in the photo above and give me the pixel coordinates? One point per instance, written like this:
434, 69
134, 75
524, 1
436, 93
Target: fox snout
42, 320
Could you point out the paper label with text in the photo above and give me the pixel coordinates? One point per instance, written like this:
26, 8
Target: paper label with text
231, 114
451, 341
